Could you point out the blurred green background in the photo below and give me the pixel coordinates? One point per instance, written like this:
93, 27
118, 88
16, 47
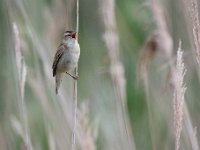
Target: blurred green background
41, 24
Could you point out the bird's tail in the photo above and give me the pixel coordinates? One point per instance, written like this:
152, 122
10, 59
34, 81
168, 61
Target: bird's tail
58, 80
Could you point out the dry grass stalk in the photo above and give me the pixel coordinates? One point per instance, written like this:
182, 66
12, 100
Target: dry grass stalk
191, 131
178, 97
194, 144
51, 140
116, 67
21, 68
88, 131
193, 10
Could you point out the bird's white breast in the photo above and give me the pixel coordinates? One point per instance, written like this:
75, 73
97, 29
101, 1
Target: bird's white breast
75, 52
70, 58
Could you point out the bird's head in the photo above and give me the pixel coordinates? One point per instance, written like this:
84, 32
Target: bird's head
70, 34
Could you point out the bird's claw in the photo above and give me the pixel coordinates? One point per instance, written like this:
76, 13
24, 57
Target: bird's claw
74, 77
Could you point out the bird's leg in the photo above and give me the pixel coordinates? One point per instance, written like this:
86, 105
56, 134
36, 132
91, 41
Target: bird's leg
74, 77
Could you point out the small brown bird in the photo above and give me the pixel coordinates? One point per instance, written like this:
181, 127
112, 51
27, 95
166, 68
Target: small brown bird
66, 57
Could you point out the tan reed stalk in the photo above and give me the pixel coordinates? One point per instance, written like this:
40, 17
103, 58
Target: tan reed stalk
194, 17
75, 85
195, 146
192, 20
178, 97
88, 130
21, 68
190, 129
158, 41
111, 40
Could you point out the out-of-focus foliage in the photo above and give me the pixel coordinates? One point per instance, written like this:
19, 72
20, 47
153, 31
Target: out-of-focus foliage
41, 24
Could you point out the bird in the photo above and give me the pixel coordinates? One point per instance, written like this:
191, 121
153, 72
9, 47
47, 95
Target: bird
66, 58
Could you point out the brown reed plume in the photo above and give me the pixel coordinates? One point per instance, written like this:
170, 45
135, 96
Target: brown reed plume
158, 41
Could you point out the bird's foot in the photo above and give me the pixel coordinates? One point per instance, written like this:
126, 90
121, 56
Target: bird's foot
74, 77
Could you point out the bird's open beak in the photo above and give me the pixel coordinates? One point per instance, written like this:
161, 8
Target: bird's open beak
74, 35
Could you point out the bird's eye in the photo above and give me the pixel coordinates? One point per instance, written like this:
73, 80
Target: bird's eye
68, 33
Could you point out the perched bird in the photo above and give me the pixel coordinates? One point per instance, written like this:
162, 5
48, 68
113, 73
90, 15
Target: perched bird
66, 57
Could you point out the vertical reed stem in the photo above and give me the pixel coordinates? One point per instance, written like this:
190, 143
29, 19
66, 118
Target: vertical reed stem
75, 85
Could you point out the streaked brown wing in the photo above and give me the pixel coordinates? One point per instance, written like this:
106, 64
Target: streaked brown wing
62, 47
